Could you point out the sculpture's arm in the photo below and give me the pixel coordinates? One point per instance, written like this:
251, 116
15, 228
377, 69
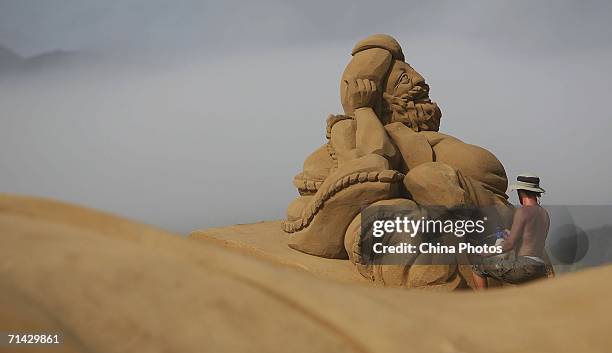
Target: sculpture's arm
371, 136
342, 140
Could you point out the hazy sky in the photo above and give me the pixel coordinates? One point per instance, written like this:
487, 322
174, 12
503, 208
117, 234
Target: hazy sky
207, 109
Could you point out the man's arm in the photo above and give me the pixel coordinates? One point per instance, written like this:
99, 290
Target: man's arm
516, 231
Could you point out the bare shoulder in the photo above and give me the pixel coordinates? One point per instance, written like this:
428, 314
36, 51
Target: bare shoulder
530, 212
545, 213
518, 218
519, 212
523, 214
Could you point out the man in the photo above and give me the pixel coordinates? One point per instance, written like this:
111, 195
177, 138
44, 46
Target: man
526, 239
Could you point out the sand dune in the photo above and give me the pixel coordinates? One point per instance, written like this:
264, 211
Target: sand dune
112, 285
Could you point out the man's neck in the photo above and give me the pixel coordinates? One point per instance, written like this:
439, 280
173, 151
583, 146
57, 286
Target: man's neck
530, 202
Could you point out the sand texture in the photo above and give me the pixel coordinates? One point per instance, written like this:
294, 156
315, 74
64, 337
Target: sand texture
113, 285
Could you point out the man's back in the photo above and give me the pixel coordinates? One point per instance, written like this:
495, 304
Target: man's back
529, 230
526, 238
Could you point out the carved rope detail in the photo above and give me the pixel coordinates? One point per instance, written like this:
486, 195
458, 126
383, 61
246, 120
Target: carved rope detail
306, 186
384, 176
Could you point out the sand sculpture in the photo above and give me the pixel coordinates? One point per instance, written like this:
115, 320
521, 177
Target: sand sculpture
386, 150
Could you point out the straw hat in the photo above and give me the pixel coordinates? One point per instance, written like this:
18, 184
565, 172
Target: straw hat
527, 182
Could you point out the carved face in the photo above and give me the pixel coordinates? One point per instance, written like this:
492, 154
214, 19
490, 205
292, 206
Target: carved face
402, 78
406, 99
405, 93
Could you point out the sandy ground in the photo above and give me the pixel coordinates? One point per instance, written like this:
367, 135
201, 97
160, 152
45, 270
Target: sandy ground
113, 285
266, 241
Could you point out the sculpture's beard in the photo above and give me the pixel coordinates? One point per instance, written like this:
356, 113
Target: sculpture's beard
420, 114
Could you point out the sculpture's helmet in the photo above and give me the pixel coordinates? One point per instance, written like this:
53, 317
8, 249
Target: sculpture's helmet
372, 59
405, 95
382, 41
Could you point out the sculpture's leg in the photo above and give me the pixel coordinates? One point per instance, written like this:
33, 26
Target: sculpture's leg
320, 229
395, 274
297, 206
438, 184
418, 270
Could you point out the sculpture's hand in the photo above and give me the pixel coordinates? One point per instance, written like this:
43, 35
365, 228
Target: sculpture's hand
362, 93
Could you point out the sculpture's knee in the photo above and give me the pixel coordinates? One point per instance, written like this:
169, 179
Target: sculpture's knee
436, 184
318, 165
474, 162
319, 230
417, 270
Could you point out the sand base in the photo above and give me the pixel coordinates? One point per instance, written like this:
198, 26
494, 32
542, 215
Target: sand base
266, 241
112, 285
